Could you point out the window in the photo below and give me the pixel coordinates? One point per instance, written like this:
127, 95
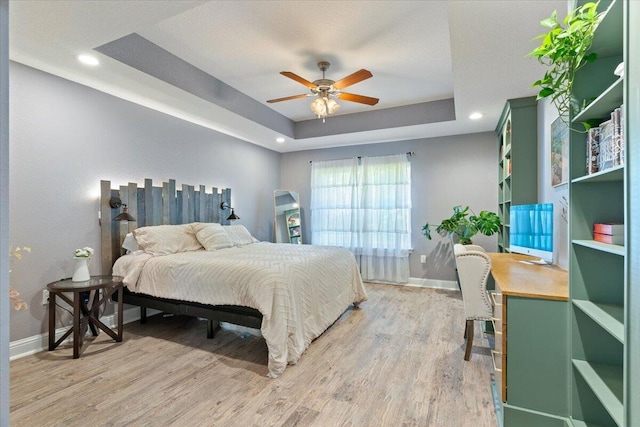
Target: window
365, 205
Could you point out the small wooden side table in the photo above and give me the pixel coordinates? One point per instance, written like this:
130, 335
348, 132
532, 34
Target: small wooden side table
84, 313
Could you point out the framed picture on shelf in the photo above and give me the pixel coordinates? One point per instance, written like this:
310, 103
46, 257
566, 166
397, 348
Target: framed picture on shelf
559, 152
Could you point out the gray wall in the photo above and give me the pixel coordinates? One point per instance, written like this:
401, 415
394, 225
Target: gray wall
558, 195
446, 171
66, 137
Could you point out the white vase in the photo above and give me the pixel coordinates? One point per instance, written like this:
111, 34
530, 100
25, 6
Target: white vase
81, 273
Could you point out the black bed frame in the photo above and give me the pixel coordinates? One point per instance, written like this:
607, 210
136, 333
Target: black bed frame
238, 315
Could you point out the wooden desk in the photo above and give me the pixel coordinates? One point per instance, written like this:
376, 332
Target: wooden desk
529, 280
532, 341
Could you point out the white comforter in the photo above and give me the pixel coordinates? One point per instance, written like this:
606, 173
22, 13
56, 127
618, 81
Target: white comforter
299, 289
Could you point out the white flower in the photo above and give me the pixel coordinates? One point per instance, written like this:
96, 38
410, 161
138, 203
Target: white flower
85, 252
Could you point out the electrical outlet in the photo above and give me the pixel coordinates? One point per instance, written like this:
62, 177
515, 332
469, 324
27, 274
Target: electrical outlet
45, 296
423, 259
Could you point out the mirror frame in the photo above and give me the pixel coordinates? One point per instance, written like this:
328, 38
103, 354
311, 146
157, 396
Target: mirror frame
287, 222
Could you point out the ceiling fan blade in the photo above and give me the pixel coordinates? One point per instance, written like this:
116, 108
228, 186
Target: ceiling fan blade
286, 98
299, 79
352, 79
358, 98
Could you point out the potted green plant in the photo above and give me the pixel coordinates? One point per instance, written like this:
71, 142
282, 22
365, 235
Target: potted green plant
465, 226
565, 49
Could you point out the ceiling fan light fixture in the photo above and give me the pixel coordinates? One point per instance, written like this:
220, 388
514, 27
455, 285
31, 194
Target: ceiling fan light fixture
322, 106
325, 90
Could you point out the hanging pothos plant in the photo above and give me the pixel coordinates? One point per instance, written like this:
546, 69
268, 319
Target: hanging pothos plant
565, 50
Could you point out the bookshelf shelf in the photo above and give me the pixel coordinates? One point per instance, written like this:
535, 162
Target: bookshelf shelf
612, 174
608, 40
604, 104
606, 383
579, 423
609, 316
599, 246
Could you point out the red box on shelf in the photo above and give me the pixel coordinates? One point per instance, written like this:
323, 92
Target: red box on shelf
608, 238
612, 229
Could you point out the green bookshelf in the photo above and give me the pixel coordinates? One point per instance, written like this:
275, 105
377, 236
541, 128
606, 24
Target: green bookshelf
602, 299
517, 133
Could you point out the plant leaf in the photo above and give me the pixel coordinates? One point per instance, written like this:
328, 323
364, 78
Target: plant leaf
545, 92
591, 57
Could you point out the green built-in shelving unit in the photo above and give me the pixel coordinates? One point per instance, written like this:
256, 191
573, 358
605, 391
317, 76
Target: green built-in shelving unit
517, 132
603, 300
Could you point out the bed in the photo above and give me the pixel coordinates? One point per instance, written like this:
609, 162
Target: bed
293, 293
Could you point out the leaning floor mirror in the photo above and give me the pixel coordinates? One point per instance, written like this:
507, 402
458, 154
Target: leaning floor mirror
288, 227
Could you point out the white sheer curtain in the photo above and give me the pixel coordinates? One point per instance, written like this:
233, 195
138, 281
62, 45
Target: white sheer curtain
334, 207
385, 205
366, 207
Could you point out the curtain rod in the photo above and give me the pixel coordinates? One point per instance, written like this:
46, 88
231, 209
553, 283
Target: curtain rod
408, 153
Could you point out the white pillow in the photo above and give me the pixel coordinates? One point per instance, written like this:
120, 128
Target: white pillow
212, 236
239, 235
167, 239
130, 244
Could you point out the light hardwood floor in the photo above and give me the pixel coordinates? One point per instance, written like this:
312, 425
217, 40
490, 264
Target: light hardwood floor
396, 361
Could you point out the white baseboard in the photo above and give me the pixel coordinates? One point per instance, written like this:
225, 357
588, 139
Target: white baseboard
450, 285
37, 343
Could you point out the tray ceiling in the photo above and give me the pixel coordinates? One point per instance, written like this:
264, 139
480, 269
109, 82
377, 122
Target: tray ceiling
215, 63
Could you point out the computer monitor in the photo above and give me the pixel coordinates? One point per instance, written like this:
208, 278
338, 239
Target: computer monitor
531, 230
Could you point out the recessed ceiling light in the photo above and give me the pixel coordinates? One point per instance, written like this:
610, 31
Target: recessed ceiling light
280, 140
88, 60
475, 116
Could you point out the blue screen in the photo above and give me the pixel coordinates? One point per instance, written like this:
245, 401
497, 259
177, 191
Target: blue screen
532, 226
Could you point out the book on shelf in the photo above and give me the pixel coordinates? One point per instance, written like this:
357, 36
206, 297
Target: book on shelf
608, 238
621, 128
606, 145
618, 137
593, 150
612, 229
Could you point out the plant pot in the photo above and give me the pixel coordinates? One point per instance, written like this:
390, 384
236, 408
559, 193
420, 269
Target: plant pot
81, 273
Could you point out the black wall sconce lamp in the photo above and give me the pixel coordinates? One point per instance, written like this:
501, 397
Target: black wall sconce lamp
233, 216
115, 203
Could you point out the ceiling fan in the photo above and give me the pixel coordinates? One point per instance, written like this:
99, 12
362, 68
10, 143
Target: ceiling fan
326, 90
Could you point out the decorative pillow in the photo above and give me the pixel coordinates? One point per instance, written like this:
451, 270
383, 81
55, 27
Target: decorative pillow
212, 236
130, 244
167, 239
239, 235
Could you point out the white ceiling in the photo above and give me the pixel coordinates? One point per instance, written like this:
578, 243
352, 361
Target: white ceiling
418, 51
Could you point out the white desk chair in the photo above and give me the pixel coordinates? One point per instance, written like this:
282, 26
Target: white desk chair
474, 266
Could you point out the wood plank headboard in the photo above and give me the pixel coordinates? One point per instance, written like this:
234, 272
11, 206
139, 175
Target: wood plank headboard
151, 205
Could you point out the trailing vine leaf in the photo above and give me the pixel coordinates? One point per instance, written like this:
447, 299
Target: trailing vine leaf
565, 50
